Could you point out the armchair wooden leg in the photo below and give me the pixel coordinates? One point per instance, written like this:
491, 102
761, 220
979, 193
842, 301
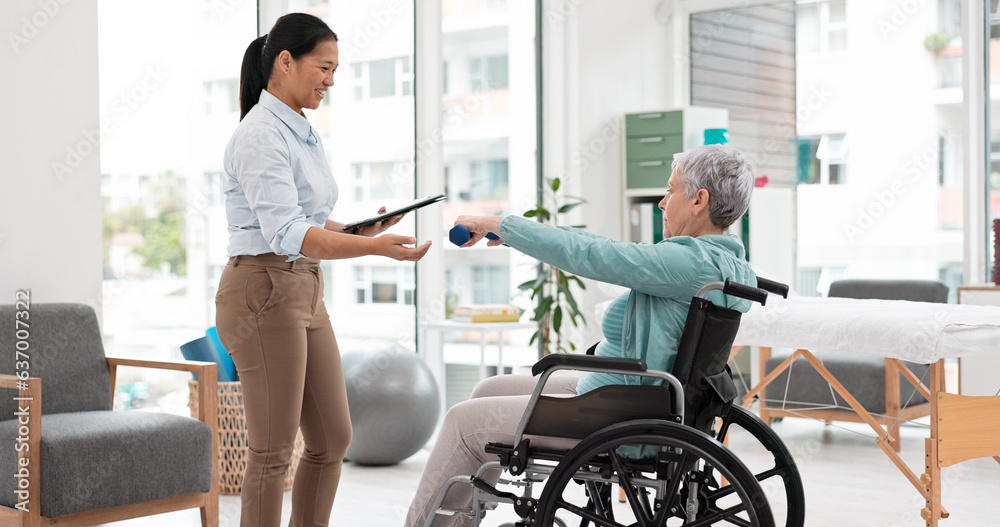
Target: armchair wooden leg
210, 512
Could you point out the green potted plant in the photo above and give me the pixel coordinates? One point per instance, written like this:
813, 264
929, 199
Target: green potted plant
937, 41
553, 289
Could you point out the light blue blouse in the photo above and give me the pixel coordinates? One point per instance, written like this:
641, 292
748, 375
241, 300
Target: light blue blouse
663, 278
279, 183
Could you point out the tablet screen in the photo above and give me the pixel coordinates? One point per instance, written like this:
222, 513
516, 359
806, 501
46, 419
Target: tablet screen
406, 207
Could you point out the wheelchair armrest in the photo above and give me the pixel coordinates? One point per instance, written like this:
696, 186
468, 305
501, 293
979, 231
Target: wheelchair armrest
588, 362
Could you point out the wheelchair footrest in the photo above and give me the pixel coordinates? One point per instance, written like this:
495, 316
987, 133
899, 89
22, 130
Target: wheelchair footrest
523, 506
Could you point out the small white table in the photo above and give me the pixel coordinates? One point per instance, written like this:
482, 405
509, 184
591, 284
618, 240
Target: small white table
483, 328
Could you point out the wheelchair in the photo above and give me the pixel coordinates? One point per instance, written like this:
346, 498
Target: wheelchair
662, 445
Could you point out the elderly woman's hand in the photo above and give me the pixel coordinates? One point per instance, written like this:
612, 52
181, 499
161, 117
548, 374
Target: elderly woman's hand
479, 226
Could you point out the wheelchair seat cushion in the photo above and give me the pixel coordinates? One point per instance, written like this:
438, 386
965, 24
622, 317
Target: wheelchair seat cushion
92, 460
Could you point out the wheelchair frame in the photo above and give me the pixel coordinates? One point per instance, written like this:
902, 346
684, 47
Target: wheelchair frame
538, 465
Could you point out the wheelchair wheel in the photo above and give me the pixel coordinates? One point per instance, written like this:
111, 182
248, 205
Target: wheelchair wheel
676, 481
778, 476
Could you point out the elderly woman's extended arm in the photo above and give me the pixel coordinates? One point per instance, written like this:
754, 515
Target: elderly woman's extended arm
660, 270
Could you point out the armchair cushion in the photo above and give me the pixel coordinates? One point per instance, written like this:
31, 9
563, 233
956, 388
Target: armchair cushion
65, 350
92, 460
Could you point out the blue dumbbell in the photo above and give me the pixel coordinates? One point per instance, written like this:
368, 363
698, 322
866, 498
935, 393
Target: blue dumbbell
460, 234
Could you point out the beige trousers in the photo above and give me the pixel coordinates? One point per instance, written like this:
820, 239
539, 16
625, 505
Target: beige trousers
272, 320
491, 415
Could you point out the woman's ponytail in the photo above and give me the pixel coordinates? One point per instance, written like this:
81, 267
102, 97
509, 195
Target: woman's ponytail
253, 75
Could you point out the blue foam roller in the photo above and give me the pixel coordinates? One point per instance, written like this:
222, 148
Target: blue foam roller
227, 370
199, 349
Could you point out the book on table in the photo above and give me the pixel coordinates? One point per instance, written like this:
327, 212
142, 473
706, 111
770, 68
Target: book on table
486, 313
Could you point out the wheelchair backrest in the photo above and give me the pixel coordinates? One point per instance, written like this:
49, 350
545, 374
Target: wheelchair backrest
700, 365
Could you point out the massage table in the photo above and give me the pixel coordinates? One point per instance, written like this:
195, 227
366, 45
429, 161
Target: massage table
961, 427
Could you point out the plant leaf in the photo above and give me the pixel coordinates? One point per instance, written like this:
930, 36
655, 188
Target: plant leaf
555, 185
540, 281
557, 319
568, 207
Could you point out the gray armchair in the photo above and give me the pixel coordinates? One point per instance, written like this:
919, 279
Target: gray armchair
83, 463
874, 381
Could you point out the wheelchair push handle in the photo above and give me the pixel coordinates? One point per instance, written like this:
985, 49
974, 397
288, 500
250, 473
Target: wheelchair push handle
771, 286
744, 291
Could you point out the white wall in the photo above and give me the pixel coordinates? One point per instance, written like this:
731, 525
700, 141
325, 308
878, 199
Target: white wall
50, 218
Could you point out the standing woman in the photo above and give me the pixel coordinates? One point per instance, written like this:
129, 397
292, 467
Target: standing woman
270, 311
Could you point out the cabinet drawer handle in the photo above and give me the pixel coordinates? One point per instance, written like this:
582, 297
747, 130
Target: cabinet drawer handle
656, 115
651, 163
651, 140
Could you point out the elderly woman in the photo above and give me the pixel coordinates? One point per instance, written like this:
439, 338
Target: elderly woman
709, 189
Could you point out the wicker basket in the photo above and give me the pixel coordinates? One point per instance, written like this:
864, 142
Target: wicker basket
233, 437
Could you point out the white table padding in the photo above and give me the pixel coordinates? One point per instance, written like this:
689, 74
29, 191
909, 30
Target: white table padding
920, 332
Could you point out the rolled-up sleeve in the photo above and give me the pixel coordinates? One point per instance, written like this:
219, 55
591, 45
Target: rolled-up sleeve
262, 166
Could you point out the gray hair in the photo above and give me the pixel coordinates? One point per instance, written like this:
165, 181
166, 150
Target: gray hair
724, 173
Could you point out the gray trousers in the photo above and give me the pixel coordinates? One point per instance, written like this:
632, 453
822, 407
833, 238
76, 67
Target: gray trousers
491, 415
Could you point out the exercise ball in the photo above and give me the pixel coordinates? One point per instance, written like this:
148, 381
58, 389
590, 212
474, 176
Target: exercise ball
393, 398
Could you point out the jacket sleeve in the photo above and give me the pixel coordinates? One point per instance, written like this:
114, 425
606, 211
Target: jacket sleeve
665, 269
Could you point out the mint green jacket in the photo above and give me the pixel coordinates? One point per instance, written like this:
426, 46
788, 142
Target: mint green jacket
663, 277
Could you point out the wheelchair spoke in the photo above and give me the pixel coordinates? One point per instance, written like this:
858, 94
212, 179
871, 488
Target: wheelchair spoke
789, 494
713, 519
676, 486
600, 497
640, 507
586, 514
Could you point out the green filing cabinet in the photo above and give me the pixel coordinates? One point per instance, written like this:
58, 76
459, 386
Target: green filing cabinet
650, 141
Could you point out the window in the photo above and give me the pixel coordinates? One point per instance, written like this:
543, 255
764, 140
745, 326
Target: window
821, 27
382, 78
222, 97
212, 191
488, 73
487, 180
376, 181
173, 113
490, 284
384, 284
823, 159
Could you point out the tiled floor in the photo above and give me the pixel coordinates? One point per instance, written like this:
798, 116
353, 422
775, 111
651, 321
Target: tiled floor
848, 482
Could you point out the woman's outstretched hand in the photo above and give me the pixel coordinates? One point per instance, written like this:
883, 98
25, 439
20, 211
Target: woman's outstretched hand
379, 226
479, 227
395, 246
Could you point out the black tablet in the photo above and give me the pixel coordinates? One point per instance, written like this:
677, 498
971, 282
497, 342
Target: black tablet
406, 207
